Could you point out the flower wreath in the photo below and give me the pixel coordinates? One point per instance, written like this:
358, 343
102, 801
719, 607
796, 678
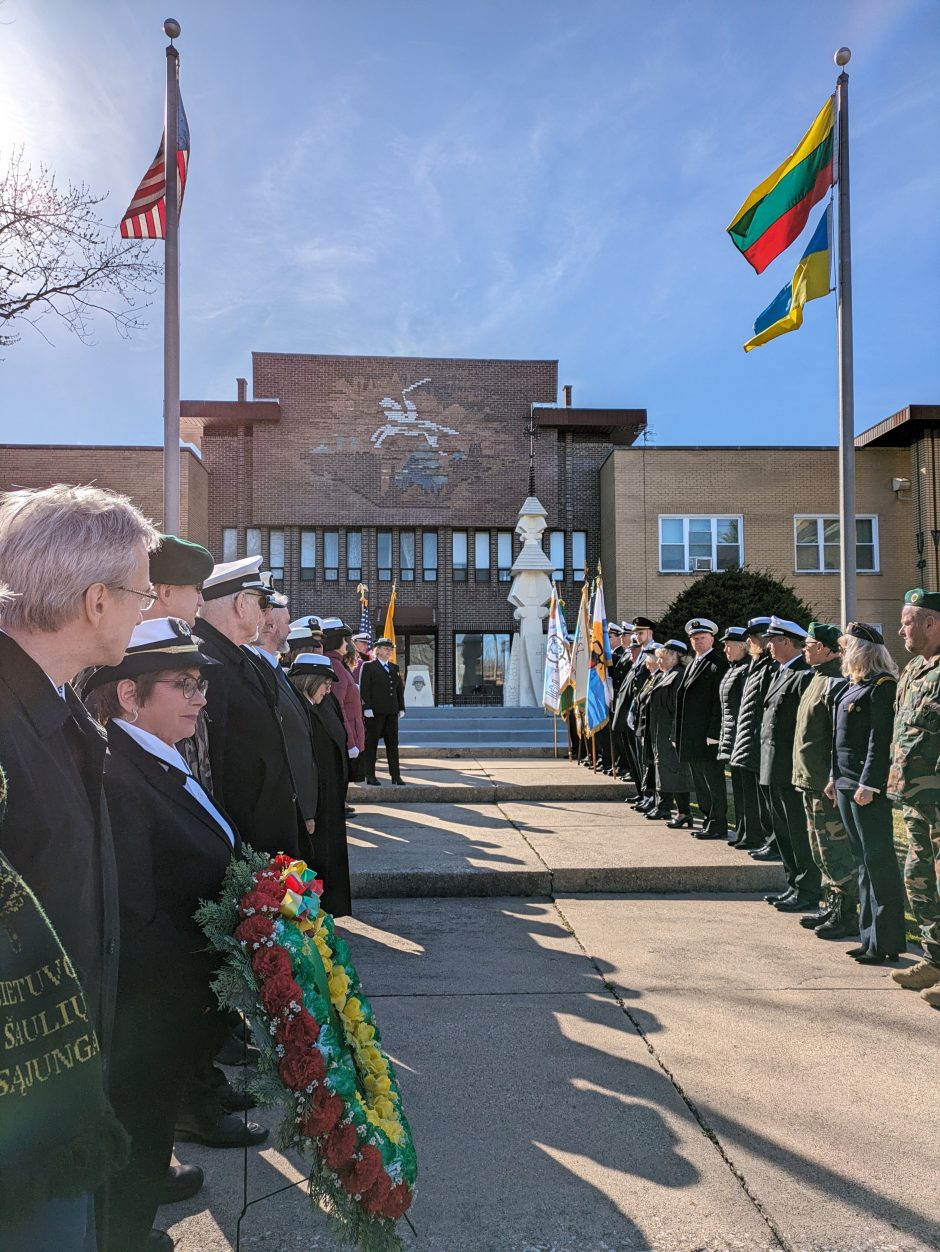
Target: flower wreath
321, 1052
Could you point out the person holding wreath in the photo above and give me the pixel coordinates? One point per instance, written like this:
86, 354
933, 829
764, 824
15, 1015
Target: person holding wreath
172, 846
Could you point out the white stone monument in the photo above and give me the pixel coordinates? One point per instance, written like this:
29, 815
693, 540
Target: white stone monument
530, 594
418, 692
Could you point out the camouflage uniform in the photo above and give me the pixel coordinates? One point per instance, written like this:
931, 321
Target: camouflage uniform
914, 783
812, 765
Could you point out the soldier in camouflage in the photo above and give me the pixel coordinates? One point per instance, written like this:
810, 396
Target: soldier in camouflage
914, 781
812, 765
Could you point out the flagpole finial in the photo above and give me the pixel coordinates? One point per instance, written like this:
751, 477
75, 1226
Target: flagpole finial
843, 57
171, 28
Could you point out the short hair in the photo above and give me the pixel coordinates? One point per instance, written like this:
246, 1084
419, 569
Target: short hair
861, 658
307, 684
103, 702
57, 541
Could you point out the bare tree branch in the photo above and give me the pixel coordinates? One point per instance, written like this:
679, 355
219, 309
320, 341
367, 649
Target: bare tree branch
58, 258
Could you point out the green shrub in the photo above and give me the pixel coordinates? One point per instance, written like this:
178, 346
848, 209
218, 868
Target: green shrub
730, 598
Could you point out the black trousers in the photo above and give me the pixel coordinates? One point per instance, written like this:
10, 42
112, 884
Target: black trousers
737, 791
382, 726
754, 831
711, 796
880, 885
792, 835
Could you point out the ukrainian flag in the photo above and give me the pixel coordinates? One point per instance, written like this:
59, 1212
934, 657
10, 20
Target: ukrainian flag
810, 281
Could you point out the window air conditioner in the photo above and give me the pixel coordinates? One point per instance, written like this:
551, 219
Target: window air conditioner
703, 564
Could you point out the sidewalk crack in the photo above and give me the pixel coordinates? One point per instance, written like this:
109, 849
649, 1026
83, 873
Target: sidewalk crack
708, 1131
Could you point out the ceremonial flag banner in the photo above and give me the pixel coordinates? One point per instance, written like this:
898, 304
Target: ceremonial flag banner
774, 214
580, 651
598, 697
365, 621
146, 215
810, 281
388, 630
555, 656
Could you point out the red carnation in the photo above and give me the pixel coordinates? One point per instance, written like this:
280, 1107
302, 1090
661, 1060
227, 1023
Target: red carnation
254, 930
281, 859
278, 992
298, 1033
269, 962
322, 1117
298, 1070
399, 1199
340, 1145
258, 902
375, 1199
361, 1173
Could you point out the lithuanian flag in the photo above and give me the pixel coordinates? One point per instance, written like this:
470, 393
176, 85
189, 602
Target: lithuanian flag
775, 213
810, 281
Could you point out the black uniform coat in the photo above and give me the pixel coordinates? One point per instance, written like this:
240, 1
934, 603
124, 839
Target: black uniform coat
330, 855
671, 775
635, 673
289, 709
620, 668
698, 708
746, 751
56, 832
863, 724
778, 723
730, 692
382, 692
251, 774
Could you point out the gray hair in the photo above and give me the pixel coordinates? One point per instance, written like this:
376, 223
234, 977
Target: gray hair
861, 658
56, 542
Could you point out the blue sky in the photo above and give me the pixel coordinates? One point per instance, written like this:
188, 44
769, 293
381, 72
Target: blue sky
512, 179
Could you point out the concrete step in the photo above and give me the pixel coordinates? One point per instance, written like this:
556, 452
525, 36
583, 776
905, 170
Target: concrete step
486, 780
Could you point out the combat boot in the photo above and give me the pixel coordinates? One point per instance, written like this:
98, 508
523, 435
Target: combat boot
822, 914
919, 977
842, 922
932, 996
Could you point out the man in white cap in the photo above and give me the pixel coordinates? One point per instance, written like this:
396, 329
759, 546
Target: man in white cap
251, 770
698, 727
785, 640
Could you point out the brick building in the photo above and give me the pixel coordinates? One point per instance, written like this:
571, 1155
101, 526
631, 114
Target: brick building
348, 470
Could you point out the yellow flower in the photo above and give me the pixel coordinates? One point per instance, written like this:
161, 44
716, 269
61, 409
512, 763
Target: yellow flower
352, 1010
339, 985
364, 1033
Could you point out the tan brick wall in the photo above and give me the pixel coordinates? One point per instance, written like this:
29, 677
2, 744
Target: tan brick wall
767, 487
135, 472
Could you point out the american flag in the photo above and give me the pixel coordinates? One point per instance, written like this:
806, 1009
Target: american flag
146, 215
365, 621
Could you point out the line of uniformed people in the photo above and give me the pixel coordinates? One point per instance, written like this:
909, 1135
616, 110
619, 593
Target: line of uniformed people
809, 723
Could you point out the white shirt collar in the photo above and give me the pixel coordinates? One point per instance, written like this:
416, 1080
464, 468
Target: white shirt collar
787, 664
156, 747
272, 658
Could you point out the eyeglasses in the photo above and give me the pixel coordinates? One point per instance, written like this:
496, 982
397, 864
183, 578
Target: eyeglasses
149, 597
264, 600
188, 686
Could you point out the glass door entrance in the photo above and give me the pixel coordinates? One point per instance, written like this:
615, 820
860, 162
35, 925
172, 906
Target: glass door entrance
418, 648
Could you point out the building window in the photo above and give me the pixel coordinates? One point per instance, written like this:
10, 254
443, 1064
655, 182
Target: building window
459, 551
579, 555
816, 541
384, 549
481, 556
429, 556
504, 555
694, 545
253, 542
308, 555
330, 556
556, 554
354, 556
276, 554
481, 663
229, 544
406, 556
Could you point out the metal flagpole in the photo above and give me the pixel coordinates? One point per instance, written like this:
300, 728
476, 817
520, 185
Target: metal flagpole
171, 294
847, 537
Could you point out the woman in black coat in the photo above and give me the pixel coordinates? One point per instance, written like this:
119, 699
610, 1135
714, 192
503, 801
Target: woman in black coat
172, 847
730, 692
673, 780
863, 724
312, 674
646, 800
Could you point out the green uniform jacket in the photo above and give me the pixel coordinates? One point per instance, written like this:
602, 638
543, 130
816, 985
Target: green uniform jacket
812, 743
915, 758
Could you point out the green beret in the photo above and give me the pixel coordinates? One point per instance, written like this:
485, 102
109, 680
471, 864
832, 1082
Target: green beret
922, 599
826, 634
180, 563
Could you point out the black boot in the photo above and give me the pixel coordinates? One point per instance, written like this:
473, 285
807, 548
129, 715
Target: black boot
842, 922
822, 914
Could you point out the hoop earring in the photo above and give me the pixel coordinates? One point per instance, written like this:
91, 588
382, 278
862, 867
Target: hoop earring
133, 719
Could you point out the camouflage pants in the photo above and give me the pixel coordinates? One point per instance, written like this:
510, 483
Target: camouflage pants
830, 846
922, 873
